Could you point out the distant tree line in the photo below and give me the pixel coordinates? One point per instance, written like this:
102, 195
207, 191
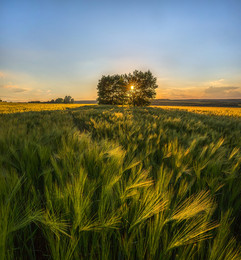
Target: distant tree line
65, 100
37, 101
137, 89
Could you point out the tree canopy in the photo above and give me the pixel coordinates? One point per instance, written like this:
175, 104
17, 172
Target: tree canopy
136, 89
68, 99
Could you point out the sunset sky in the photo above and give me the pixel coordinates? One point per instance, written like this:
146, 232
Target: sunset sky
52, 48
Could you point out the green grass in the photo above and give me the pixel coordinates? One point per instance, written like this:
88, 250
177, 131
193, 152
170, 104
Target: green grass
102, 182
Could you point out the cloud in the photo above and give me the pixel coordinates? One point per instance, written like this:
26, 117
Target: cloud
218, 82
201, 92
224, 89
14, 88
2, 74
180, 93
223, 92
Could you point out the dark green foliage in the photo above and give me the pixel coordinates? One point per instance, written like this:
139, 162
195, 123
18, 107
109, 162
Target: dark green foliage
66, 100
137, 89
144, 87
112, 90
106, 182
59, 100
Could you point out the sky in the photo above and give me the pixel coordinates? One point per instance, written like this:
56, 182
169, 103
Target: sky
53, 48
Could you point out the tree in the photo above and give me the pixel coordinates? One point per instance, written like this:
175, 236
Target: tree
68, 99
59, 100
137, 89
112, 90
144, 85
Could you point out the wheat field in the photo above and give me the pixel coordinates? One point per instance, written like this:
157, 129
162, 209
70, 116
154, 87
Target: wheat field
218, 111
9, 108
105, 182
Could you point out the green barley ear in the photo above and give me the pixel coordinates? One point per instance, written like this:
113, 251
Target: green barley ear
192, 206
192, 231
224, 247
54, 223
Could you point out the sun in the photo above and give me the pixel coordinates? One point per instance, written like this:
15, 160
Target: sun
132, 87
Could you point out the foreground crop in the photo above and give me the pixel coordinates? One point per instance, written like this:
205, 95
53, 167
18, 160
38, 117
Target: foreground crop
119, 183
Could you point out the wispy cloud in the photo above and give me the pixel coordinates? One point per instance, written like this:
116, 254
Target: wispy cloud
14, 88
220, 89
218, 82
2, 74
223, 92
213, 89
180, 93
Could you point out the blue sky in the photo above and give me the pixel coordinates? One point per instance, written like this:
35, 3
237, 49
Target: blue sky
53, 48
